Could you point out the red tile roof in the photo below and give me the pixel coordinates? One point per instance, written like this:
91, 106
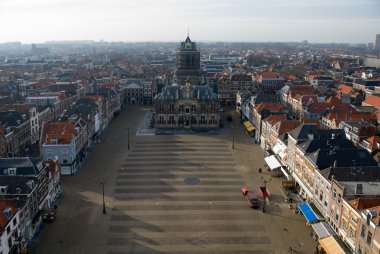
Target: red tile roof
291, 77
364, 203
372, 204
345, 89
318, 107
64, 132
372, 101
301, 90
333, 100
95, 97
374, 140
3, 205
273, 119
306, 98
270, 75
287, 125
312, 120
344, 115
272, 106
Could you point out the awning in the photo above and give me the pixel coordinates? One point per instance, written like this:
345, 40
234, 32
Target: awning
249, 126
272, 162
321, 229
277, 148
331, 246
283, 154
308, 212
283, 170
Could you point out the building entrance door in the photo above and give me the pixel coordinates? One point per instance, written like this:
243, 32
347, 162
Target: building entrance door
187, 122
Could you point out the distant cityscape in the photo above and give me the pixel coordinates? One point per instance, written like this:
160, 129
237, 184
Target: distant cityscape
313, 109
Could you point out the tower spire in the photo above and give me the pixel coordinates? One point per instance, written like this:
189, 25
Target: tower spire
188, 32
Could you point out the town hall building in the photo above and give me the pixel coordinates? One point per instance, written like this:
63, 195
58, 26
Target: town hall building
187, 104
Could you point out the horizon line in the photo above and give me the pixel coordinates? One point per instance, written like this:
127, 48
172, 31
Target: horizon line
172, 41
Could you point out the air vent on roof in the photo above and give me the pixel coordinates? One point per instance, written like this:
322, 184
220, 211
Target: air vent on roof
3, 189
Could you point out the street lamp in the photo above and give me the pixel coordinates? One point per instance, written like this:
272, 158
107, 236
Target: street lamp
264, 191
233, 137
128, 139
104, 204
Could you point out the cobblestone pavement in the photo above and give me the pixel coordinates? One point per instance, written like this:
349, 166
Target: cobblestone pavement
172, 194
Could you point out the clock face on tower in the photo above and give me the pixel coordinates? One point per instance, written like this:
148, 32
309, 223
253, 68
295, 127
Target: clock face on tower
188, 46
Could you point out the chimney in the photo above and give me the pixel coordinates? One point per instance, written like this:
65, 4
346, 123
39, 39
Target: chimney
359, 188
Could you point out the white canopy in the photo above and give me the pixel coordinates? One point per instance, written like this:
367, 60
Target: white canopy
321, 230
277, 148
272, 162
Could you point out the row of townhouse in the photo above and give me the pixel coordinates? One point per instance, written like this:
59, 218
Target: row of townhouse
138, 91
70, 140
20, 124
330, 167
29, 189
129, 90
316, 160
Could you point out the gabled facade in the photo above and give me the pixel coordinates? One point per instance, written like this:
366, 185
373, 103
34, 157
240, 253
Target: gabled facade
271, 82
65, 142
229, 86
134, 91
356, 131
368, 236
9, 227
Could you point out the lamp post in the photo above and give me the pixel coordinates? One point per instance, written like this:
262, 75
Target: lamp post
264, 195
104, 204
128, 139
233, 137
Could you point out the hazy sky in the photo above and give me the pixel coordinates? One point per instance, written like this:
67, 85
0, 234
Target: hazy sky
168, 20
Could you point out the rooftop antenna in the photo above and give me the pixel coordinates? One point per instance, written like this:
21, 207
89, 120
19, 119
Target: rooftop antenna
188, 32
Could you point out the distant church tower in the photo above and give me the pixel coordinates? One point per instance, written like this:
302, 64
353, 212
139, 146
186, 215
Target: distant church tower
188, 63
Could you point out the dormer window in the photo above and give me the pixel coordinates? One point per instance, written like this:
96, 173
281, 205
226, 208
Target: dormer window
12, 171
54, 141
30, 184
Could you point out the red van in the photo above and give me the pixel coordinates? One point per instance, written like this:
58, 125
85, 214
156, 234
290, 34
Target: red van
253, 200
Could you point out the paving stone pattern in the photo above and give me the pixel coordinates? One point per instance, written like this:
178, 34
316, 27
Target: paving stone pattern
182, 197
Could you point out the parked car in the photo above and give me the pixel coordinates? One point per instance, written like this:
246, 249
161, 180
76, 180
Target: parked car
253, 200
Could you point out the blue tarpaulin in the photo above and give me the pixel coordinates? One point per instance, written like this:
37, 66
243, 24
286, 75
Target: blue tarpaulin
308, 212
